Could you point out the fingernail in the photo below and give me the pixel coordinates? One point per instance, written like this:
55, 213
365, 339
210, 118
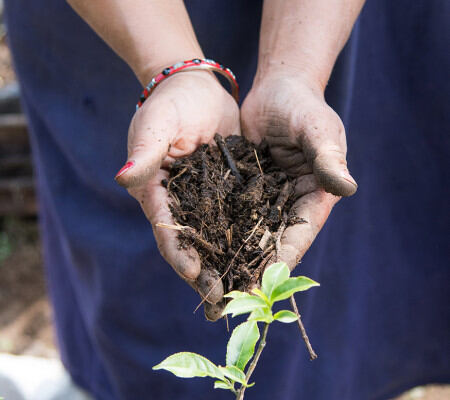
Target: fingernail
125, 168
345, 175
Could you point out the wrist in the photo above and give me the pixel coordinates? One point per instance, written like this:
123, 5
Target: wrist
296, 70
282, 75
148, 69
196, 64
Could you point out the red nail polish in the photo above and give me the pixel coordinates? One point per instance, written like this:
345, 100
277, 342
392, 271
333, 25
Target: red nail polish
124, 169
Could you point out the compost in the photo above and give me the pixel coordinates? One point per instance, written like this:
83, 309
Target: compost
231, 203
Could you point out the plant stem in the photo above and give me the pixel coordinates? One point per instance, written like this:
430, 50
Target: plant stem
312, 354
261, 345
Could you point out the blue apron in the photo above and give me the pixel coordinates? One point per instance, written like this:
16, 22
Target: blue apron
380, 322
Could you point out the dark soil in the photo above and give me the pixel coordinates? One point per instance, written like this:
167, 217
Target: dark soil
236, 203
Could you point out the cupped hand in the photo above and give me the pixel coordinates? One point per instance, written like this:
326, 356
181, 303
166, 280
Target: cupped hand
306, 138
183, 112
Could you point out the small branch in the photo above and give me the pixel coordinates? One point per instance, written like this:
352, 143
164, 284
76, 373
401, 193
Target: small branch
261, 256
228, 157
174, 227
226, 174
257, 160
283, 197
261, 345
202, 242
175, 177
257, 272
312, 354
192, 234
277, 238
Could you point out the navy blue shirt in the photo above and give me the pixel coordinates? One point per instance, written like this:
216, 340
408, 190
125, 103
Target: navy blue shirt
380, 321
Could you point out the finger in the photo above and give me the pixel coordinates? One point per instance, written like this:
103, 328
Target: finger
323, 141
155, 200
151, 131
209, 286
305, 184
213, 312
313, 208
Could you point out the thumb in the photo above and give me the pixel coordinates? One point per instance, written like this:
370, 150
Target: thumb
148, 145
325, 148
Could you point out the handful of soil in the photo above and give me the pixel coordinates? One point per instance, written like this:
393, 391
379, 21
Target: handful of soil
233, 204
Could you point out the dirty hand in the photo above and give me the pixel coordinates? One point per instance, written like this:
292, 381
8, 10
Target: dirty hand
185, 111
306, 138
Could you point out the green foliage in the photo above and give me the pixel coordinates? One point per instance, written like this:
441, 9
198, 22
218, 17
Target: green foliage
244, 305
276, 286
241, 345
234, 373
274, 276
190, 365
261, 315
291, 286
285, 316
223, 385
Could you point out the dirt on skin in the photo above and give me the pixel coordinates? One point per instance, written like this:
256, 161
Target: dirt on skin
234, 203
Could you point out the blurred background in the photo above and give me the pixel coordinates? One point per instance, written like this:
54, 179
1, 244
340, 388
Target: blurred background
25, 322
25, 314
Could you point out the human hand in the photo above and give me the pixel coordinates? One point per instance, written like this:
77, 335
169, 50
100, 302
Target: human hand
306, 138
183, 112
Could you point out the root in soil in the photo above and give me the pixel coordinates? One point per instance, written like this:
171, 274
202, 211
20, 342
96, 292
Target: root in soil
234, 200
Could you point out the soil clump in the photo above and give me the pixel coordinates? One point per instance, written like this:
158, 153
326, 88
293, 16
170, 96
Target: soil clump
232, 204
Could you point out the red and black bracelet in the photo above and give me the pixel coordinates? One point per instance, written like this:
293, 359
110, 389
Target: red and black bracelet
196, 63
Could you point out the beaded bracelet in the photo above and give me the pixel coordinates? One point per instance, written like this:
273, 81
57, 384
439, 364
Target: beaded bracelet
189, 65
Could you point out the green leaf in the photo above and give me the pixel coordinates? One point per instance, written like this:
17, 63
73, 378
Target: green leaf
222, 385
261, 314
241, 345
236, 294
243, 305
285, 316
274, 276
259, 293
291, 286
234, 373
190, 365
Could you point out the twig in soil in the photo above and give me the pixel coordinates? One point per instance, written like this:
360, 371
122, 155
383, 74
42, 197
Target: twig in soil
257, 272
226, 153
175, 198
205, 244
192, 234
251, 368
278, 235
283, 197
312, 354
226, 174
260, 256
175, 177
229, 236
257, 160
174, 227
231, 263
264, 241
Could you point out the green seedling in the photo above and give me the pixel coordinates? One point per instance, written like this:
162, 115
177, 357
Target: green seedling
276, 286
